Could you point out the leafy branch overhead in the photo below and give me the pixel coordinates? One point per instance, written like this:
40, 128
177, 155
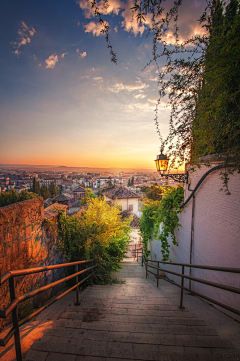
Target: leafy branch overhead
199, 81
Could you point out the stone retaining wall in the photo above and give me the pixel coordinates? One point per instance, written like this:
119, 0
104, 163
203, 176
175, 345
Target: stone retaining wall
27, 240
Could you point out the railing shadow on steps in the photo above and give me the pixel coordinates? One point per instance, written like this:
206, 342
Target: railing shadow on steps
199, 280
15, 301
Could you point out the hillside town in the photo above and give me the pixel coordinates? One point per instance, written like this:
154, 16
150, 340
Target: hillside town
67, 182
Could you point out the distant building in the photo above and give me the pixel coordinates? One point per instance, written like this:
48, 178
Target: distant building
61, 199
79, 192
128, 199
52, 210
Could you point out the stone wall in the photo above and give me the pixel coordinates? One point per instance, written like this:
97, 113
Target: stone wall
216, 235
27, 240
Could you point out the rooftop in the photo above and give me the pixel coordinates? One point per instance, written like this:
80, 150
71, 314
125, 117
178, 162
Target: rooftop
120, 193
79, 189
135, 223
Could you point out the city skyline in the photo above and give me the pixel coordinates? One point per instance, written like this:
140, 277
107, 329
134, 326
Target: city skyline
64, 102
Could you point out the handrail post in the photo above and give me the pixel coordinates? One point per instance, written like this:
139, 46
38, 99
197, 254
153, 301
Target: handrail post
77, 298
182, 285
15, 320
146, 268
142, 257
157, 274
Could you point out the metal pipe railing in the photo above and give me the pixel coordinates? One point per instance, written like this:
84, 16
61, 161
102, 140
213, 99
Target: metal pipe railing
15, 301
199, 280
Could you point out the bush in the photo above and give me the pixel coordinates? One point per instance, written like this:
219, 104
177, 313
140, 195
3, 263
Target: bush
98, 234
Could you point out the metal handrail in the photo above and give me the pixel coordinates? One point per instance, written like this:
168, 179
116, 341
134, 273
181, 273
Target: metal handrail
183, 276
13, 306
141, 253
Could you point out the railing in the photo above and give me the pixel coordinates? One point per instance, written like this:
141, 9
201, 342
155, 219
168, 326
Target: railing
183, 276
13, 306
139, 250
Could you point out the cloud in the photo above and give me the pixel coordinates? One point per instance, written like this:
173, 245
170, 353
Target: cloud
94, 28
130, 22
17, 52
99, 78
51, 61
113, 6
153, 100
139, 96
63, 55
146, 107
81, 55
34, 57
188, 25
24, 36
189, 12
128, 87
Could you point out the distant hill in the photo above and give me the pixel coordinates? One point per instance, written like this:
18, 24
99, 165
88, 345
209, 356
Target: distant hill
57, 168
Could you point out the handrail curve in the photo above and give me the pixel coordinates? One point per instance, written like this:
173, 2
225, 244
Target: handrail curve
15, 301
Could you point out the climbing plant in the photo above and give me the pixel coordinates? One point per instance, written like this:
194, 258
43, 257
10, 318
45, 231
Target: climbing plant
198, 77
160, 218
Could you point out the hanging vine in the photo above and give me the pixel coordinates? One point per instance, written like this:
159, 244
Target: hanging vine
160, 219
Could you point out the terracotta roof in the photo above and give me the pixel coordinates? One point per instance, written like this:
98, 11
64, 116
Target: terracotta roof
52, 210
135, 223
120, 193
76, 204
60, 198
79, 189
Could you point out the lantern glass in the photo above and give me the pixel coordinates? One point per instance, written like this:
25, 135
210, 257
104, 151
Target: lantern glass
161, 163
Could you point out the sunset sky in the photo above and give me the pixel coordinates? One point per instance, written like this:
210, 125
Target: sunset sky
62, 100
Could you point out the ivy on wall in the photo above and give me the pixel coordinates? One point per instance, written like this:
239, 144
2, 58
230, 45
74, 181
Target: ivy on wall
164, 213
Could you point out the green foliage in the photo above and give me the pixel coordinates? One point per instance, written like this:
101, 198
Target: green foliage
162, 213
7, 198
98, 234
36, 186
198, 78
45, 192
147, 224
156, 192
89, 195
130, 182
216, 127
54, 191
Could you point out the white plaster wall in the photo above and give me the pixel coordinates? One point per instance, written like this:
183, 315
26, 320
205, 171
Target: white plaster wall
216, 240
126, 202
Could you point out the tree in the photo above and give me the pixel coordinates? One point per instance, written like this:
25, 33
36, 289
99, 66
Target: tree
36, 186
53, 189
45, 192
202, 69
7, 198
157, 192
216, 127
132, 181
98, 234
88, 196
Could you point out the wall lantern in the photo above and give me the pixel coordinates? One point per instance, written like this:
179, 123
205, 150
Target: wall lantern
162, 166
